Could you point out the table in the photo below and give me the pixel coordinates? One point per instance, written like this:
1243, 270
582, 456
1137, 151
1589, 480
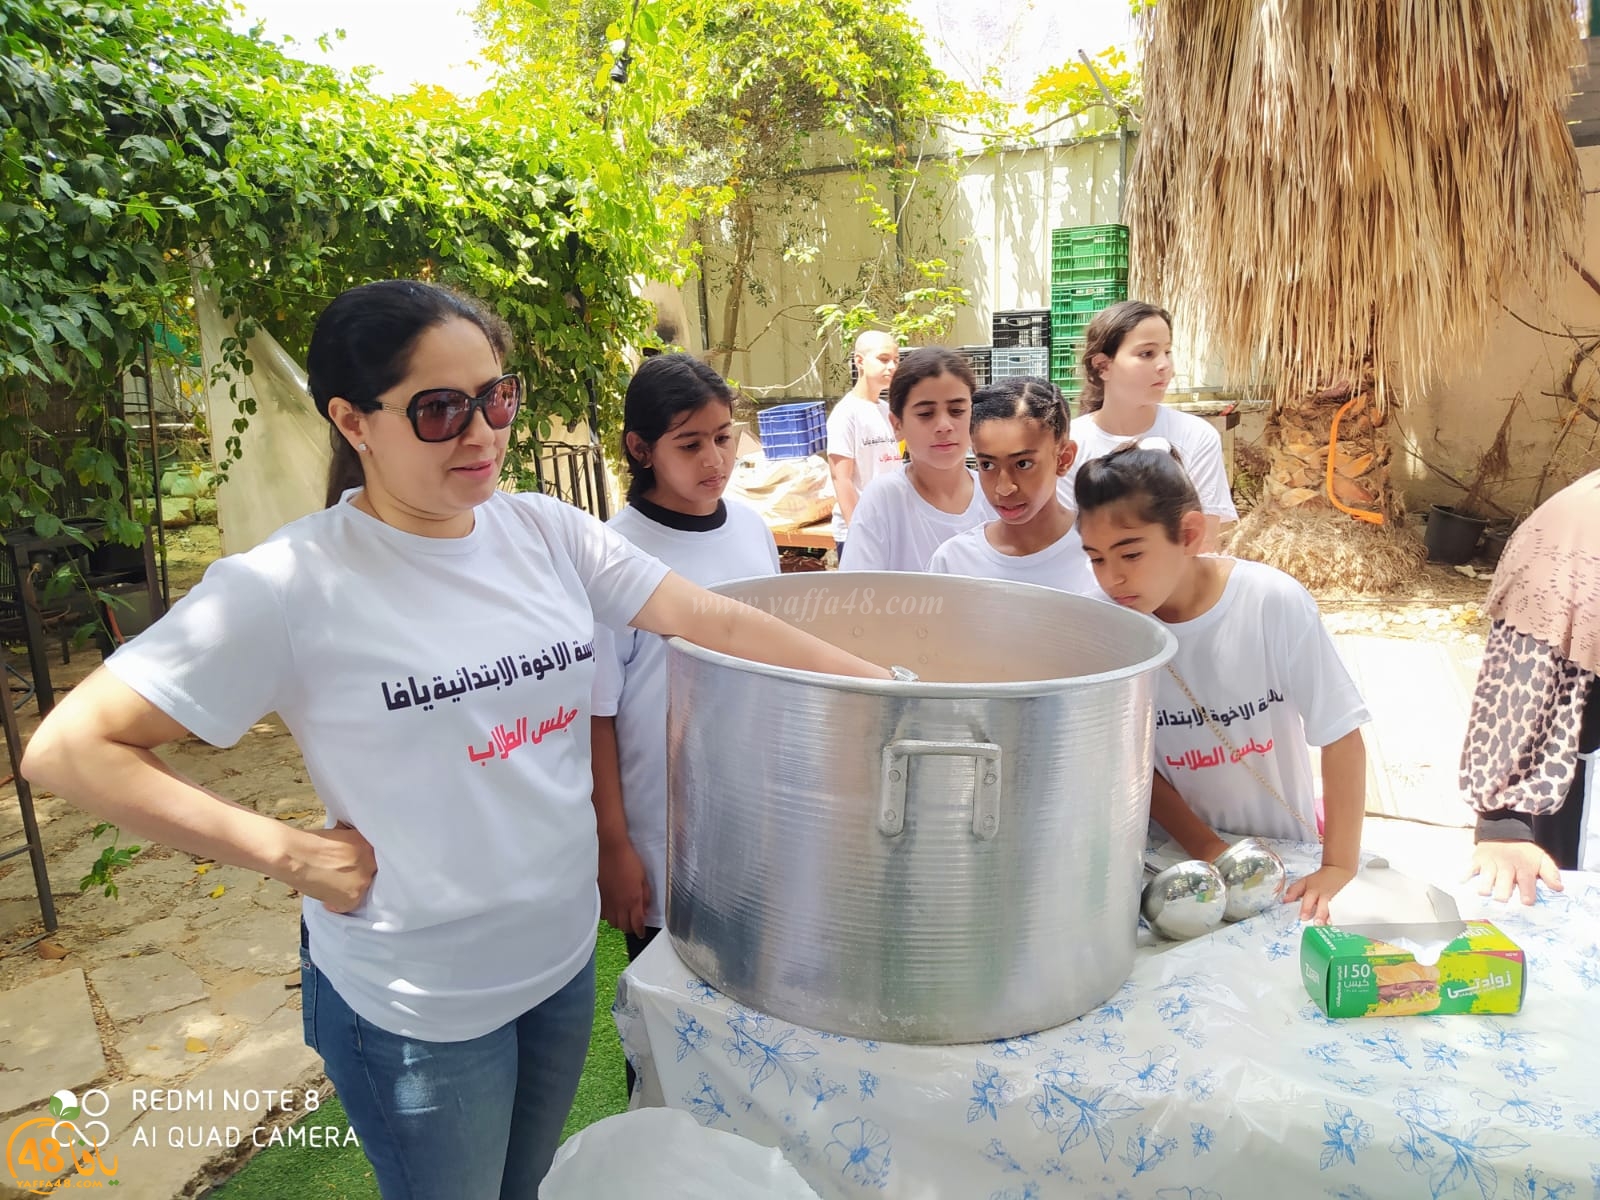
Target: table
1209, 1076
1218, 407
808, 537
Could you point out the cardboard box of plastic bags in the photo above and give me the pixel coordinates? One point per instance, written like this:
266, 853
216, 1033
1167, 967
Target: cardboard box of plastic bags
1360, 973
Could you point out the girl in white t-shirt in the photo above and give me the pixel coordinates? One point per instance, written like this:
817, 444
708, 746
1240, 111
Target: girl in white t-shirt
677, 439
428, 640
1255, 682
905, 515
1127, 366
1019, 435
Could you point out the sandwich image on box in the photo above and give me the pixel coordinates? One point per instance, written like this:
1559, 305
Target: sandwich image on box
1403, 970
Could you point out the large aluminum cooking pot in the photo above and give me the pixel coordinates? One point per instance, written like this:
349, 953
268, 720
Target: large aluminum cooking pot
953, 860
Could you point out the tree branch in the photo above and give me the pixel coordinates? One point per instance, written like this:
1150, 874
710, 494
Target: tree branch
1568, 333
1410, 448
1583, 274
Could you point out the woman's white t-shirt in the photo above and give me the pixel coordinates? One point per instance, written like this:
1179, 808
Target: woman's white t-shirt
439, 690
631, 669
1063, 565
1196, 440
1269, 676
895, 529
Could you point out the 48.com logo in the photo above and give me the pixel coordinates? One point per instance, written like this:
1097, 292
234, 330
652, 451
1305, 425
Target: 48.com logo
71, 1138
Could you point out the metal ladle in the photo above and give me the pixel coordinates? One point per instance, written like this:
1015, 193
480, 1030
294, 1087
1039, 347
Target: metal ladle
1185, 900
1255, 877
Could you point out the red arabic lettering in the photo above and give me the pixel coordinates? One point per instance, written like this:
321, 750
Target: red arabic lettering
1198, 760
502, 741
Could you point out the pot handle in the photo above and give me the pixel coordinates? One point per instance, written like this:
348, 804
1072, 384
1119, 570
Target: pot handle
897, 769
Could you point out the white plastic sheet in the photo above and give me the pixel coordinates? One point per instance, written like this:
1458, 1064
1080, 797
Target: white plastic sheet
664, 1154
787, 492
1210, 1076
282, 473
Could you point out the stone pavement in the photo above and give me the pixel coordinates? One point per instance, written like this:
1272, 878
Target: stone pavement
171, 1012
186, 1018
178, 1003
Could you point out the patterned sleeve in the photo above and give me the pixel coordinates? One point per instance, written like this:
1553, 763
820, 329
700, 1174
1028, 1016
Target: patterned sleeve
1521, 749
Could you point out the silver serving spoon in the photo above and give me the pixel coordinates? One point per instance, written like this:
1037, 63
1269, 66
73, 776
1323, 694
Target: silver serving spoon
1185, 900
1255, 878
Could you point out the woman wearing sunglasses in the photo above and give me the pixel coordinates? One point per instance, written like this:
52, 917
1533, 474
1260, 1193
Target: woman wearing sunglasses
428, 640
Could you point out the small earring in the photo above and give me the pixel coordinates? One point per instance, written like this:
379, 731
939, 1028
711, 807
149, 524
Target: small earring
362, 447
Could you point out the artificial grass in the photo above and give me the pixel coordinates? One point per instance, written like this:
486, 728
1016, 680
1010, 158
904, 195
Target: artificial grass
343, 1173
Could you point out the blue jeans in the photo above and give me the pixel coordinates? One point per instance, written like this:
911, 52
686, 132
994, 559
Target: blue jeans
480, 1118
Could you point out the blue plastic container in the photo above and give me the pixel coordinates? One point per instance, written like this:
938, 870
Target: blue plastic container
793, 430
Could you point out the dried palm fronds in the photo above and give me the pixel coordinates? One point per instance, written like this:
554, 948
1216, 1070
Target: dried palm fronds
1329, 557
1322, 183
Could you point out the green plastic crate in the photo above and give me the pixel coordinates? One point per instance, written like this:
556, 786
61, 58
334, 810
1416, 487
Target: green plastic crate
1068, 325
1069, 332
1064, 358
1085, 297
1081, 237
1104, 259
1064, 361
1070, 275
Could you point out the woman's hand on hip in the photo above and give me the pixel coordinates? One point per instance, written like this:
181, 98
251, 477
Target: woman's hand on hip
335, 866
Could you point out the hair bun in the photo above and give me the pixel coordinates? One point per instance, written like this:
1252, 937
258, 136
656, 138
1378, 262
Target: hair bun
1158, 445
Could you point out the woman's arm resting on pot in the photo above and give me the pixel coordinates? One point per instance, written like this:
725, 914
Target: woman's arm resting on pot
95, 750
678, 608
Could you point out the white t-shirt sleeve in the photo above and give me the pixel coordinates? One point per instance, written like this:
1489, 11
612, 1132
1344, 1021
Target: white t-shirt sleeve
772, 550
221, 659
1330, 704
617, 575
612, 650
1202, 459
867, 548
940, 563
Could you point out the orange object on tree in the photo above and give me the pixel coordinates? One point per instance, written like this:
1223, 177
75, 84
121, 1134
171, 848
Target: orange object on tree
1375, 518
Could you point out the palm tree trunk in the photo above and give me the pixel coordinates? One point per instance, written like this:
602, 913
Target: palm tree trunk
1299, 441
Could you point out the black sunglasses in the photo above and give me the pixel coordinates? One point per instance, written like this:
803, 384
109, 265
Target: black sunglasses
442, 414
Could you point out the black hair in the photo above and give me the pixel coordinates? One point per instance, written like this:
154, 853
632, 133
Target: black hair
1022, 396
927, 362
665, 389
1152, 480
361, 347
1104, 336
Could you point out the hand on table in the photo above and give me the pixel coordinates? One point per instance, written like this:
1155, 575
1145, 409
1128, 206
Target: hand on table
1504, 867
1315, 890
624, 887
336, 867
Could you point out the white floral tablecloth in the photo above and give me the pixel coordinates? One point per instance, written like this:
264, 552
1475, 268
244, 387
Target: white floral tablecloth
1209, 1076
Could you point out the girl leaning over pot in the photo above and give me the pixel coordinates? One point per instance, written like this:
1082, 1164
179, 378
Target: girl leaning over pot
428, 640
1255, 683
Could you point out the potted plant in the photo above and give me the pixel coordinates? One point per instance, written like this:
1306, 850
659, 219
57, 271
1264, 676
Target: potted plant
1494, 541
1454, 530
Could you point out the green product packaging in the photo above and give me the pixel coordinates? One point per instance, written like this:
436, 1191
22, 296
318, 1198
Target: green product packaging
1352, 973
